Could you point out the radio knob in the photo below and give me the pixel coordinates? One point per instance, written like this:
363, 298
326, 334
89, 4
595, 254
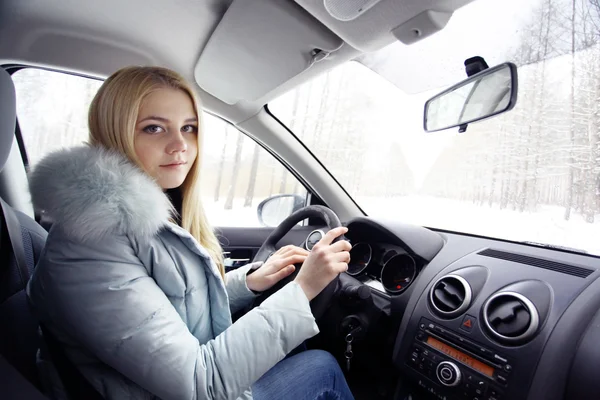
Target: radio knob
448, 373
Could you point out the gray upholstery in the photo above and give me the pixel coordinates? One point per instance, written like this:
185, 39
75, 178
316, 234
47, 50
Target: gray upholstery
19, 339
8, 114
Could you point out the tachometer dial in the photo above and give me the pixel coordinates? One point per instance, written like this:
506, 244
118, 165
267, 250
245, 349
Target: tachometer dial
398, 273
360, 257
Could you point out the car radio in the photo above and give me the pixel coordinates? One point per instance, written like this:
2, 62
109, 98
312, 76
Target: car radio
466, 369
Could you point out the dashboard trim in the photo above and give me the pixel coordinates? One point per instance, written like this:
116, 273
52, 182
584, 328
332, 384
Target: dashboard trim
466, 302
533, 326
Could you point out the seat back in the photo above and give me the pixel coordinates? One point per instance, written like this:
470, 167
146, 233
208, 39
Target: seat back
21, 243
19, 339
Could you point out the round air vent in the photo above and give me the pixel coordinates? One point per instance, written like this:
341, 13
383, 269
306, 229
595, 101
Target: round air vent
450, 296
510, 317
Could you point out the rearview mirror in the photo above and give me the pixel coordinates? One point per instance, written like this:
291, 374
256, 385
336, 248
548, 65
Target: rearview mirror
488, 93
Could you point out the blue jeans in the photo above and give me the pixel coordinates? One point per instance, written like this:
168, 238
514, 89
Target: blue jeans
308, 375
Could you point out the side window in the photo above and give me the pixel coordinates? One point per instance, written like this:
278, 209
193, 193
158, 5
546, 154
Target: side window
239, 178
52, 109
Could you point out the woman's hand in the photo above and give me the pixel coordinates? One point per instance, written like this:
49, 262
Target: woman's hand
325, 262
277, 267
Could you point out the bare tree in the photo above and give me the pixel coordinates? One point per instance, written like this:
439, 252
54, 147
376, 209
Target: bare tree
569, 201
221, 165
252, 180
235, 172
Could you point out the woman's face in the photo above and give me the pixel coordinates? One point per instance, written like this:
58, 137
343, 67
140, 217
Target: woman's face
166, 136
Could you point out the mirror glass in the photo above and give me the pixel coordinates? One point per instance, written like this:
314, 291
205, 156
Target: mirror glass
272, 211
488, 93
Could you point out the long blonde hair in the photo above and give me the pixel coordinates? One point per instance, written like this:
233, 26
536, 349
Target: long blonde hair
112, 119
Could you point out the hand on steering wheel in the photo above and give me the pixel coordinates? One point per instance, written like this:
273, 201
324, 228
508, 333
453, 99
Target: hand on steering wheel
322, 284
279, 266
325, 262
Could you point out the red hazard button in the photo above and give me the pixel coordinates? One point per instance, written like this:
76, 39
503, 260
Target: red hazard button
468, 323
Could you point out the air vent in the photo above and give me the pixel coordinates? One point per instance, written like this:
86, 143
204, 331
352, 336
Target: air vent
538, 262
510, 317
450, 296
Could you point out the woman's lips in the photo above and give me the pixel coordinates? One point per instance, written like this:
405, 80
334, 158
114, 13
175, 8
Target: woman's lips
174, 165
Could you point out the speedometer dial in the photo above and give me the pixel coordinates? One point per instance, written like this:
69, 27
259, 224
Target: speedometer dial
398, 273
360, 257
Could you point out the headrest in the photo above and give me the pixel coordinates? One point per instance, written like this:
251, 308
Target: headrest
8, 115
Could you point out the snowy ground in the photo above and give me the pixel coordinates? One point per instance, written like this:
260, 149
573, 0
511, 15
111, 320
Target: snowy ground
547, 225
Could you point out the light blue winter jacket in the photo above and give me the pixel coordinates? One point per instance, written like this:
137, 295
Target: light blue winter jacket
136, 302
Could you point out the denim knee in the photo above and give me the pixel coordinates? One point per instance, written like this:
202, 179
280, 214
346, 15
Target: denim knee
322, 363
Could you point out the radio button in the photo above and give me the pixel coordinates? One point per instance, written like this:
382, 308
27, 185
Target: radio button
429, 365
502, 379
448, 373
493, 394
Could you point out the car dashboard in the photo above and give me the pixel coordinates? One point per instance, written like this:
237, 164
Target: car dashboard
483, 319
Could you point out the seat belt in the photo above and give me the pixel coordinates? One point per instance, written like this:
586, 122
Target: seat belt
75, 384
13, 227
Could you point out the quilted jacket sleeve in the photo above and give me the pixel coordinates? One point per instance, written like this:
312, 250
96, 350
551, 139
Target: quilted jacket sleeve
237, 289
111, 306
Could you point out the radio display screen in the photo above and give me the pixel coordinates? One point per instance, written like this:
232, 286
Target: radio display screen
461, 357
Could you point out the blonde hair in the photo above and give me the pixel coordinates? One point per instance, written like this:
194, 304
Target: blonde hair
112, 119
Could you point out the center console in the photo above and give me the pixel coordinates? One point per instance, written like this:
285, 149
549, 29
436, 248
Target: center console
465, 369
476, 329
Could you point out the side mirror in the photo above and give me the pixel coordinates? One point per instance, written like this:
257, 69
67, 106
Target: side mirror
273, 210
488, 93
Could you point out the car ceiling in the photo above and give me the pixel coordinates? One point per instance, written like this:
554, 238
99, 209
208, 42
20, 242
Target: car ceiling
241, 53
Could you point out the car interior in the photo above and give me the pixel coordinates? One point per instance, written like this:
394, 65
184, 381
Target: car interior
424, 311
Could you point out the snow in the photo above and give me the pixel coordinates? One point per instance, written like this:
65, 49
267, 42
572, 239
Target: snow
546, 225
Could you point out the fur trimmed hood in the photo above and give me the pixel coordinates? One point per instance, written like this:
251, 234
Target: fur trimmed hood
92, 192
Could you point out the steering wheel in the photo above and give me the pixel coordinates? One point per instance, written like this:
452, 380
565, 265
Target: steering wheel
320, 303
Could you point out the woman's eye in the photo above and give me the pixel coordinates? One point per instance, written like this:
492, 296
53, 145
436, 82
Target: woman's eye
189, 129
153, 129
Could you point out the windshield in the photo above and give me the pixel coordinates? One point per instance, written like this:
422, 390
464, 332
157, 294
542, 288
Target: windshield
532, 174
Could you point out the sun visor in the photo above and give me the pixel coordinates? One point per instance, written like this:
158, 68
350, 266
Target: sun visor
258, 46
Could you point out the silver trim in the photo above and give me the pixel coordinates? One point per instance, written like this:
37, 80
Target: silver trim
453, 366
309, 235
375, 284
466, 302
368, 262
411, 279
533, 324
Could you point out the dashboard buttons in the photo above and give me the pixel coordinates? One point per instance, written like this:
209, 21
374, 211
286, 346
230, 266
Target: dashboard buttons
493, 394
468, 323
448, 373
502, 379
474, 386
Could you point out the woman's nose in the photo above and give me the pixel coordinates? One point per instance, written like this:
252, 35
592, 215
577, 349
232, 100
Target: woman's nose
177, 143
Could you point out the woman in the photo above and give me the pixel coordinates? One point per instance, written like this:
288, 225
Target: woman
132, 284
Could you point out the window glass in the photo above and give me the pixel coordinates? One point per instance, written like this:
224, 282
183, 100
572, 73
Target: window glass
52, 109
530, 175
